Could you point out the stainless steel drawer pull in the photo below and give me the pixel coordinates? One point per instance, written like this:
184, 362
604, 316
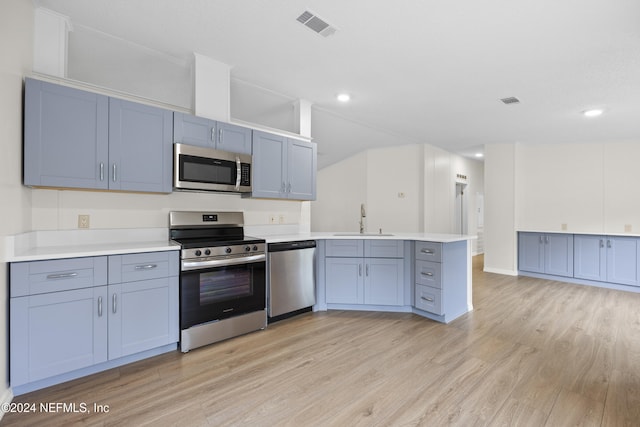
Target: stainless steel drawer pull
427, 299
146, 267
99, 306
114, 303
430, 274
61, 275
101, 171
427, 251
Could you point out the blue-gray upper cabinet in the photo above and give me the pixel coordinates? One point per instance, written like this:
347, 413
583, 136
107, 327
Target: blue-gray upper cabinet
607, 259
66, 136
79, 139
283, 168
546, 253
140, 147
193, 130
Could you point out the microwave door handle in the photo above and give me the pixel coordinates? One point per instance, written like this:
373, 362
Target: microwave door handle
238, 173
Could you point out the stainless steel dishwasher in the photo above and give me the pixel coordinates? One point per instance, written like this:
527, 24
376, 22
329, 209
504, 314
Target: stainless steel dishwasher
292, 278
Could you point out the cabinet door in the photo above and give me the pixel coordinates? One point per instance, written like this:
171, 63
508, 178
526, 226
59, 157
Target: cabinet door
140, 148
57, 332
384, 281
530, 252
558, 254
233, 138
344, 280
589, 257
622, 260
65, 136
269, 160
302, 170
192, 130
142, 315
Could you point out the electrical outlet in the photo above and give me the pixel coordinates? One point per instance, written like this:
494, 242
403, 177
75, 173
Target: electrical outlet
563, 227
281, 219
83, 221
627, 228
273, 219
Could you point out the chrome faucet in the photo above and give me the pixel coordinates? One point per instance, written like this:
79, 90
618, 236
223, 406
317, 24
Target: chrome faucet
363, 214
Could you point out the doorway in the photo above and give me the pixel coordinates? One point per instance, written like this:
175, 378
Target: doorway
461, 209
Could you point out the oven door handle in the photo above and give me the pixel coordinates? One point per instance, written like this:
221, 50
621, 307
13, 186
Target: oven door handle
199, 265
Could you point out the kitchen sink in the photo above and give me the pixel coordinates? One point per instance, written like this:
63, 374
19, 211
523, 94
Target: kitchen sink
362, 234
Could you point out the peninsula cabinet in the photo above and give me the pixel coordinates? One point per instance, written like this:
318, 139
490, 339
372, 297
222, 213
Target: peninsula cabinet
546, 253
78, 139
203, 132
84, 313
607, 259
283, 168
367, 272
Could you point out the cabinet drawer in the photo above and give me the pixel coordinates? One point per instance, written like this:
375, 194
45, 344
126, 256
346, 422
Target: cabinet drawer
39, 277
143, 266
384, 248
345, 248
429, 251
429, 273
429, 299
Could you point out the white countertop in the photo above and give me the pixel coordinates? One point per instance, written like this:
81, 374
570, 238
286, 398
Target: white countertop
423, 237
45, 245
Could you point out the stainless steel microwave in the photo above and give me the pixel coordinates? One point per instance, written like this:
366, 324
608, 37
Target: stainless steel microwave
206, 169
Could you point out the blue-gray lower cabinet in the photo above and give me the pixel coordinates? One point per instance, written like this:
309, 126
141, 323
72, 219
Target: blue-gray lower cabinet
351, 278
546, 253
613, 259
283, 168
67, 315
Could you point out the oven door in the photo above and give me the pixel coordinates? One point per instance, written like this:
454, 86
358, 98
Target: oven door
220, 292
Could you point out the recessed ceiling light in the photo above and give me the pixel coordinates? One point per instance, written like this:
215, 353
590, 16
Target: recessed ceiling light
344, 97
593, 113
479, 155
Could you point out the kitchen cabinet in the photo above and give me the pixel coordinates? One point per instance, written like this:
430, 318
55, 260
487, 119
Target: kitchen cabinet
356, 272
607, 259
546, 253
440, 279
203, 132
142, 302
78, 139
283, 168
70, 314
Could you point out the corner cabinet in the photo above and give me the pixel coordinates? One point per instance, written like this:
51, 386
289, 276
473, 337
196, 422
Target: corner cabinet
546, 253
203, 132
72, 317
79, 139
369, 272
283, 168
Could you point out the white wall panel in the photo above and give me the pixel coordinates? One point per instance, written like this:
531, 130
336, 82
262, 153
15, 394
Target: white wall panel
621, 189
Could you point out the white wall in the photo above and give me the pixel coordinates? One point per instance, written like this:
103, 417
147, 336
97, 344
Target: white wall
16, 41
578, 188
426, 176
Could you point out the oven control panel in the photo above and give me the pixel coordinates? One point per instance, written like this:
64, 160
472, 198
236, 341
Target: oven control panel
224, 251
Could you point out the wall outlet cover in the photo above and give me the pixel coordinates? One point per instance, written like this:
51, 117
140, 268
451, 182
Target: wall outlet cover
83, 221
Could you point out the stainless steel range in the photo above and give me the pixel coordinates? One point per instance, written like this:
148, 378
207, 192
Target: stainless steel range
222, 277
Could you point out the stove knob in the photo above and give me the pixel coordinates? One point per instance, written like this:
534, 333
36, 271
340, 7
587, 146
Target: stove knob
198, 252
247, 248
255, 247
207, 252
228, 250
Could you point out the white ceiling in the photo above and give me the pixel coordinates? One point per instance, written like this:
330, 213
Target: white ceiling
428, 71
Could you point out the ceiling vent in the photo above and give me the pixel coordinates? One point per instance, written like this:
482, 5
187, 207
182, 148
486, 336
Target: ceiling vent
510, 100
313, 22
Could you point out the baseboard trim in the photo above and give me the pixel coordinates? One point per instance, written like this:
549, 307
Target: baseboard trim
500, 271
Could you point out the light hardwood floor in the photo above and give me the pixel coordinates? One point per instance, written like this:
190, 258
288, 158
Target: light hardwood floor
532, 353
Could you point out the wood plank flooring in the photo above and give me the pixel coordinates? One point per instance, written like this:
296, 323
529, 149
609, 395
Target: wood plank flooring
532, 353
